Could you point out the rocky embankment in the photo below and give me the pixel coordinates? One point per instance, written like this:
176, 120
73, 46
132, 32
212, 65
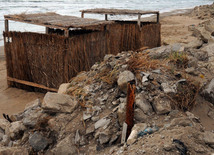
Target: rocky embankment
86, 115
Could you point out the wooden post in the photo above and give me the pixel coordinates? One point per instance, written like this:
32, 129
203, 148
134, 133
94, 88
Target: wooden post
106, 17
6, 25
47, 30
138, 21
66, 33
82, 14
158, 17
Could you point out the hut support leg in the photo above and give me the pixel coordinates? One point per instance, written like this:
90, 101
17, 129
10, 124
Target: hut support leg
6, 25
47, 30
138, 21
106, 17
66, 33
82, 14
157, 17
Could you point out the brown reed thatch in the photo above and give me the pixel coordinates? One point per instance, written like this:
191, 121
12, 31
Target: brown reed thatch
47, 60
54, 20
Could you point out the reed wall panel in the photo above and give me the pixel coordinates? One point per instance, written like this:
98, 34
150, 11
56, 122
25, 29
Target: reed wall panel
50, 59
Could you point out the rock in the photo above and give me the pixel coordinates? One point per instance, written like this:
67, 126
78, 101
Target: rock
5, 140
63, 88
162, 105
177, 48
135, 130
124, 78
208, 137
139, 115
182, 121
104, 138
208, 92
65, 147
13, 150
197, 43
192, 62
157, 71
77, 137
121, 113
211, 114
209, 49
33, 104
16, 130
143, 104
86, 116
102, 123
32, 116
160, 52
38, 142
90, 130
167, 88
61, 103
4, 124
202, 34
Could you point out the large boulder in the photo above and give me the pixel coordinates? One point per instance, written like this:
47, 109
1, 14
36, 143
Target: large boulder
124, 78
61, 103
208, 92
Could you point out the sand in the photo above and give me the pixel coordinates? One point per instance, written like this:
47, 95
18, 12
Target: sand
174, 29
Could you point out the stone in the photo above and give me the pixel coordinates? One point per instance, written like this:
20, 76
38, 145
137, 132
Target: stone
135, 130
160, 52
38, 142
63, 88
124, 78
86, 116
4, 124
59, 103
209, 49
143, 104
208, 137
139, 115
121, 113
104, 138
162, 105
177, 47
33, 104
102, 123
203, 34
5, 140
16, 130
192, 62
208, 92
167, 88
90, 130
65, 147
32, 116
13, 150
77, 137
211, 114
197, 43
181, 121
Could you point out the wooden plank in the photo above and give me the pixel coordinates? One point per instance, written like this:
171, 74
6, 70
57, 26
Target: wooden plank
138, 21
66, 33
47, 30
6, 25
106, 16
30, 84
124, 132
157, 17
82, 15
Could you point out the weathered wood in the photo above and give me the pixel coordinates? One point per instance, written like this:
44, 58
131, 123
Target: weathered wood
124, 133
139, 20
30, 84
158, 17
66, 33
53, 20
47, 30
106, 17
6, 25
82, 15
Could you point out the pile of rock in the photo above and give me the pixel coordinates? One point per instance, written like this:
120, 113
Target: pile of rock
86, 115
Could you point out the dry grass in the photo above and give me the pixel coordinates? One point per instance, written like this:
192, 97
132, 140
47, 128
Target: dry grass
179, 59
142, 62
185, 98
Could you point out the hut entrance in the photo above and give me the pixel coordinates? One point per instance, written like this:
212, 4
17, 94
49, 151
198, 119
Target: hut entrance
43, 61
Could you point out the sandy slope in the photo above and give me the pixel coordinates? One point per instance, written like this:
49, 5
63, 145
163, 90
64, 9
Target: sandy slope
174, 29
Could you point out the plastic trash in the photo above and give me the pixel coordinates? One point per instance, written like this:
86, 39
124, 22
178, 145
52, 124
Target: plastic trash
148, 130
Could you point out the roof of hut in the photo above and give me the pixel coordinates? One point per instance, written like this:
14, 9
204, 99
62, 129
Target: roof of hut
54, 20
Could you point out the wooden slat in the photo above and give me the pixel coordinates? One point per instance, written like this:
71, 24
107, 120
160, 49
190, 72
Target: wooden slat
30, 84
6, 25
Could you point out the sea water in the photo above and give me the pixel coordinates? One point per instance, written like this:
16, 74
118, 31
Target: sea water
72, 7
